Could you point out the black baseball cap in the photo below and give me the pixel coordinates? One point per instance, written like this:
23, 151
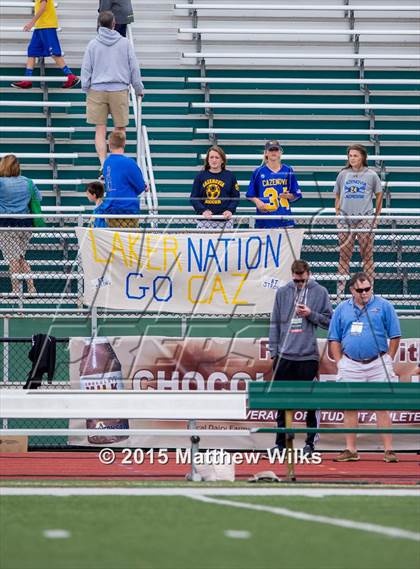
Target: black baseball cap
273, 145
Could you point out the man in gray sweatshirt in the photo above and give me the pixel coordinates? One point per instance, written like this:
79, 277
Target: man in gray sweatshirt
299, 308
109, 67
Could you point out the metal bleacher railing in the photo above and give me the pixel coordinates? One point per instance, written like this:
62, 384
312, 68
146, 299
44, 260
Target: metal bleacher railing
53, 250
349, 15
58, 275
282, 32
280, 7
313, 108
175, 146
143, 154
354, 35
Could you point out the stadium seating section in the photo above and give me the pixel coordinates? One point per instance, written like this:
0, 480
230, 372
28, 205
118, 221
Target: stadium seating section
237, 74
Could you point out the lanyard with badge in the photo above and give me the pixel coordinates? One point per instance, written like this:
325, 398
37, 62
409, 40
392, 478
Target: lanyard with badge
357, 327
296, 323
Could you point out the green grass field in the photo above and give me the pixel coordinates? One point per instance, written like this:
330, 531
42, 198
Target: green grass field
184, 532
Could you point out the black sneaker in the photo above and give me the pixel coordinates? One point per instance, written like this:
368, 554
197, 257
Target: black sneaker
308, 449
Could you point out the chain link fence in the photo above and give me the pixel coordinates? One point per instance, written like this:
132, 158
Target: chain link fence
40, 268
41, 274
15, 367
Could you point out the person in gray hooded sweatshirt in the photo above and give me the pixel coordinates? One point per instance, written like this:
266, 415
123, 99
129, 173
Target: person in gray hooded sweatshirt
299, 308
109, 67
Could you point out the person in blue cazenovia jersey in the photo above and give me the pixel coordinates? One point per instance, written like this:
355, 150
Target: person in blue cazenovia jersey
272, 187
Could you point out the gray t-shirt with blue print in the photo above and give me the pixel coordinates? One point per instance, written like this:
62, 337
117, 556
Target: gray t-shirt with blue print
357, 190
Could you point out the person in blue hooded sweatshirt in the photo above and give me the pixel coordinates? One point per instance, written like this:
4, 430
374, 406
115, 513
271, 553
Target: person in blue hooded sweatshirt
109, 68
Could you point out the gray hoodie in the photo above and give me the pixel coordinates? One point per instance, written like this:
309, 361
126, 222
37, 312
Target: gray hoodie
283, 340
110, 64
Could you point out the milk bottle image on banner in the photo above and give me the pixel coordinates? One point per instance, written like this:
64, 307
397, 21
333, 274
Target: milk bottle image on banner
100, 369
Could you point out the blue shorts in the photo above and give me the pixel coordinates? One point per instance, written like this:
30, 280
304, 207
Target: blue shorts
44, 43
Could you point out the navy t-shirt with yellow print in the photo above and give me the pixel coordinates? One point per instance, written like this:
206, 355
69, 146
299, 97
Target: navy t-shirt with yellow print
215, 192
269, 186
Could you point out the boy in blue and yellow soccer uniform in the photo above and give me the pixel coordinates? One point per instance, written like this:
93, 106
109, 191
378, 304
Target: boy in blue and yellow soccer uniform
272, 187
44, 43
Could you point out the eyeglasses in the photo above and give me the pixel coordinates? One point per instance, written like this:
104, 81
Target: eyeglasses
299, 281
360, 290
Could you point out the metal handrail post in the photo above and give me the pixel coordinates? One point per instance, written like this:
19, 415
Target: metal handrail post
136, 101
139, 150
149, 165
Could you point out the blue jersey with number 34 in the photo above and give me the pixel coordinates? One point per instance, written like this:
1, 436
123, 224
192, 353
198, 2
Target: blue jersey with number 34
269, 186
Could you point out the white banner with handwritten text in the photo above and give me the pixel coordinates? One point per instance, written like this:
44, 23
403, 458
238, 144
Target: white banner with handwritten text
226, 273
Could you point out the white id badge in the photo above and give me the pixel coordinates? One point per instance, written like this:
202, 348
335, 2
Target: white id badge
356, 328
296, 325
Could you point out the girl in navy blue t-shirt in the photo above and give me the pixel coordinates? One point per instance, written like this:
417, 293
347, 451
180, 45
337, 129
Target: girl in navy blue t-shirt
215, 191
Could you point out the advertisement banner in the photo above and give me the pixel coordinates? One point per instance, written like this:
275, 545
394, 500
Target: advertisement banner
226, 273
221, 364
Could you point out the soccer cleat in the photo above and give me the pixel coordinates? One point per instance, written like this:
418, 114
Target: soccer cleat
347, 456
72, 81
22, 84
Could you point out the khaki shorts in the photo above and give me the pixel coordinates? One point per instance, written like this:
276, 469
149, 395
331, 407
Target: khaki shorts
13, 244
381, 369
100, 103
360, 224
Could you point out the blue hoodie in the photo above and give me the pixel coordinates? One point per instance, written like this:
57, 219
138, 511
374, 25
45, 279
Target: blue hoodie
110, 64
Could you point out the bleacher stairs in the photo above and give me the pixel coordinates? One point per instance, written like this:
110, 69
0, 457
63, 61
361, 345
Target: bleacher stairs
316, 109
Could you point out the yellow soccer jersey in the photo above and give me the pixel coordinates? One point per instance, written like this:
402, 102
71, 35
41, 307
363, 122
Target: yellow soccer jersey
48, 18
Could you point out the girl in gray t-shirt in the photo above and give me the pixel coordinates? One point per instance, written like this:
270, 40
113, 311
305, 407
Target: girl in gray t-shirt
355, 188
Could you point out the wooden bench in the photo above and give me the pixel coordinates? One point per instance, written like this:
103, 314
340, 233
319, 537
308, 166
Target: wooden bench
291, 395
161, 405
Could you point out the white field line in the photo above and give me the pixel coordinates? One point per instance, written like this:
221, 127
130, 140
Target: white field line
303, 516
237, 534
204, 491
56, 533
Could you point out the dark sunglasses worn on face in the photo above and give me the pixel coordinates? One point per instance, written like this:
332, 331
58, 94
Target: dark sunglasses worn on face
299, 280
360, 290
